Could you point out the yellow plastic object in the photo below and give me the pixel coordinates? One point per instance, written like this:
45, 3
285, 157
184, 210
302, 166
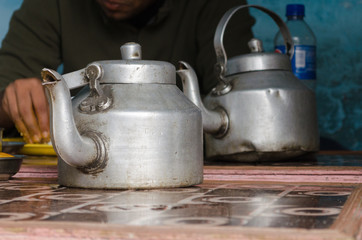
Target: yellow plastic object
33, 149
38, 149
13, 140
5, 155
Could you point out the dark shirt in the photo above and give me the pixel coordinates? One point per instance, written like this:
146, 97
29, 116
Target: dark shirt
47, 33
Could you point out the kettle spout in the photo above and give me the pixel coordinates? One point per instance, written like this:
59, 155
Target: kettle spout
215, 122
87, 152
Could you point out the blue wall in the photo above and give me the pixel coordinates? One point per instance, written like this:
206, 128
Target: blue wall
337, 26
6, 10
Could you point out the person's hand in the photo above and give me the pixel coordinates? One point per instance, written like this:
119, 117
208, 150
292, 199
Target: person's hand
25, 104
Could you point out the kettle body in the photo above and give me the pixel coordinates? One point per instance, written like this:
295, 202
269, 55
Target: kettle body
129, 127
271, 116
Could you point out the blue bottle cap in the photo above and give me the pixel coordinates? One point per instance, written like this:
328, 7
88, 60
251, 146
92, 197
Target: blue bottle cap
295, 10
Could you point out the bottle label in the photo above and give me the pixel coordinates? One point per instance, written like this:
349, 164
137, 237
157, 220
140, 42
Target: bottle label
303, 61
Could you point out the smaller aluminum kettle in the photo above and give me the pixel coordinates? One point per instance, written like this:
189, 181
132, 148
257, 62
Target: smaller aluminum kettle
259, 111
129, 127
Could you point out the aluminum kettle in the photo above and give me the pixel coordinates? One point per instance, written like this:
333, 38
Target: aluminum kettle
259, 111
129, 127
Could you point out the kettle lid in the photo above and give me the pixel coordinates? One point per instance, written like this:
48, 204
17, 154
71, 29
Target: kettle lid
132, 69
257, 60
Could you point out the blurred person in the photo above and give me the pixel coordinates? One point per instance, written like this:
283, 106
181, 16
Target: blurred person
48, 33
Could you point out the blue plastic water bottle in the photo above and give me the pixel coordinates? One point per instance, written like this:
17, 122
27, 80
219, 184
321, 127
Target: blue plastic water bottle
304, 59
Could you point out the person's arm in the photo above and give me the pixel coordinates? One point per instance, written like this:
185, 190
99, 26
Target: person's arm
237, 34
32, 43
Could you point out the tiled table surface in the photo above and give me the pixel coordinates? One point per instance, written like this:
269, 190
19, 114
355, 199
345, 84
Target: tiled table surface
236, 201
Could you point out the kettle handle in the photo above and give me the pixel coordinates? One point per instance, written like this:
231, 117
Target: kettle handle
219, 35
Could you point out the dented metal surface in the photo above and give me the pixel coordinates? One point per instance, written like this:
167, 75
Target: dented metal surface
150, 136
270, 119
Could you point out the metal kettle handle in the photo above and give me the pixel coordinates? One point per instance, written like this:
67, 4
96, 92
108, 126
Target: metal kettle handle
221, 56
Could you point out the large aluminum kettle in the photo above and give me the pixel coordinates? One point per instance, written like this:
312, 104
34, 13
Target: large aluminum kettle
259, 110
129, 127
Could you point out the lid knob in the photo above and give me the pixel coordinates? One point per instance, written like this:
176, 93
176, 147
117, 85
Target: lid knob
255, 45
131, 51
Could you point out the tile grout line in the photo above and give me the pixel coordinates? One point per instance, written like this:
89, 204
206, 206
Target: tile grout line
261, 209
